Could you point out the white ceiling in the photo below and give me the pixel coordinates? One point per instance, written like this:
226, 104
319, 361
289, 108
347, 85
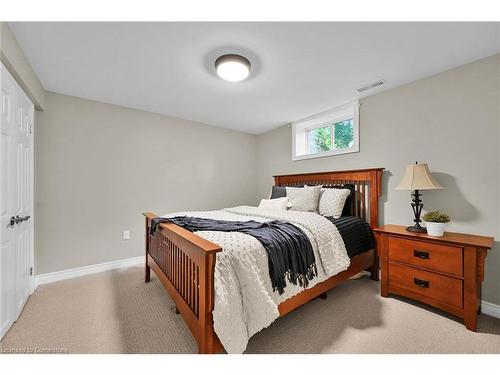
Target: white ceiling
298, 69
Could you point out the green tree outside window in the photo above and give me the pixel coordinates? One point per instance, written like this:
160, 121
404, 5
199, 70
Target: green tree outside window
343, 137
320, 139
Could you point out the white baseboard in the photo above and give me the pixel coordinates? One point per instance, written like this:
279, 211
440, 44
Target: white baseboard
52, 277
491, 309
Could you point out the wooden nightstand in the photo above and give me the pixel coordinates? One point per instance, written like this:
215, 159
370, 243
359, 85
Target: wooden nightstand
445, 272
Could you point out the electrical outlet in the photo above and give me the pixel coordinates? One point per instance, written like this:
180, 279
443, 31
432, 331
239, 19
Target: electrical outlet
126, 235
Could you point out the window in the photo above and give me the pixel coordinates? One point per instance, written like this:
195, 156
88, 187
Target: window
332, 132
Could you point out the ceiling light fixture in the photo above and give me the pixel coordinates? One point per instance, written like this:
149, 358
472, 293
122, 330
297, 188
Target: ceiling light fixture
232, 68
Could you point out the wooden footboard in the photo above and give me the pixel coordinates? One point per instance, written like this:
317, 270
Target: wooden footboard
184, 263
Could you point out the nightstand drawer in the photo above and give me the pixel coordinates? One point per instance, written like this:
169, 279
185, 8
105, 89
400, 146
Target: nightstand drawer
437, 287
444, 258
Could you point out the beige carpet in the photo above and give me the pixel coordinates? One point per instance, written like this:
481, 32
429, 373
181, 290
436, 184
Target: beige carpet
116, 312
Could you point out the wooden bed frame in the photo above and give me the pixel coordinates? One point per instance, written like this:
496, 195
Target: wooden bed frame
185, 262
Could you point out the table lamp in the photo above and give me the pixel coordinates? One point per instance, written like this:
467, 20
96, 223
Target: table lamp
417, 177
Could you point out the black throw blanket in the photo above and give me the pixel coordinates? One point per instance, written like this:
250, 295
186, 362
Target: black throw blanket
290, 254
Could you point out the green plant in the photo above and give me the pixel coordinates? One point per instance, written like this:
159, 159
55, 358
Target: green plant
436, 217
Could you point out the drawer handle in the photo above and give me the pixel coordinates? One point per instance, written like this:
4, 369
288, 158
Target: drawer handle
421, 254
421, 283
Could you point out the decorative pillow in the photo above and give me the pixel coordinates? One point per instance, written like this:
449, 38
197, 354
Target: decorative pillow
274, 204
278, 192
332, 201
303, 198
347, 211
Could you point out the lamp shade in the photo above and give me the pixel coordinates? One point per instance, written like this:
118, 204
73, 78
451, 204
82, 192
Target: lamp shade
418, 177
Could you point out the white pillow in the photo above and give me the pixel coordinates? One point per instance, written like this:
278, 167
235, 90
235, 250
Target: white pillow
274, 204
332, 201
304, 198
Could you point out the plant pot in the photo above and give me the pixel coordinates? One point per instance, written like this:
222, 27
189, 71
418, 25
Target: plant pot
435, 229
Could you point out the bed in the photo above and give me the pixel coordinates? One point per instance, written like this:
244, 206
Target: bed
185, 262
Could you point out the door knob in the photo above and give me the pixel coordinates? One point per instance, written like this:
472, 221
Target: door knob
17, 219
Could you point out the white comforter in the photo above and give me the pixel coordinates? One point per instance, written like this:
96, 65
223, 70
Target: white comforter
244, 299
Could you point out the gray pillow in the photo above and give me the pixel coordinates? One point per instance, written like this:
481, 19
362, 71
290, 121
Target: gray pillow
278, 192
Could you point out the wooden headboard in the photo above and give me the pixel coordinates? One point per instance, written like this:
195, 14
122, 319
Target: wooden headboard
367, 183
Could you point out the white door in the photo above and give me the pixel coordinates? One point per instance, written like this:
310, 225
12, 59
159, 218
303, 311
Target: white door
16, 203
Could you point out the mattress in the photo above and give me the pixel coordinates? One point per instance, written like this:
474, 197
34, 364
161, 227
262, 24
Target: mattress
356, 233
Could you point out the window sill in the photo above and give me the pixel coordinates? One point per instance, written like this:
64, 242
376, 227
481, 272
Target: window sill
325, 154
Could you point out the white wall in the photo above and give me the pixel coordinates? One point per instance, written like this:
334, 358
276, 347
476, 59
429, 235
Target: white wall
450, 121
99, 166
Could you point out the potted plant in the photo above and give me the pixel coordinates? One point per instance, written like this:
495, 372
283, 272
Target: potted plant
436, 221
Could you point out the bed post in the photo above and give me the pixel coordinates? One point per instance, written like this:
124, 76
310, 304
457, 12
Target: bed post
207, 339
147, 269
375, 193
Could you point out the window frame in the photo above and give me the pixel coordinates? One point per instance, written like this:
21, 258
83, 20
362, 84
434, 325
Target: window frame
302, 128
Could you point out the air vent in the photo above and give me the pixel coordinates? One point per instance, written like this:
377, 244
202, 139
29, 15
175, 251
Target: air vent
369, 86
